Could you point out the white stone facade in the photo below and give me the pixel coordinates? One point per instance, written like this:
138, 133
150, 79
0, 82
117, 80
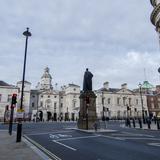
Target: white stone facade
53, 104
46, 103
6, 92
116, 102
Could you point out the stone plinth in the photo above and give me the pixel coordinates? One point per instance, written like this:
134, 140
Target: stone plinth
87, 115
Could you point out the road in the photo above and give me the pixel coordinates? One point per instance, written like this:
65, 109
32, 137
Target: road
60, 141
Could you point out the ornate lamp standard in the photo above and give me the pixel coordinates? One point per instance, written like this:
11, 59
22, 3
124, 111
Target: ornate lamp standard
140, 91
103, 117
19, 125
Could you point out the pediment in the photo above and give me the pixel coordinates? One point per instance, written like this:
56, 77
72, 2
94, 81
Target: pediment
124, 91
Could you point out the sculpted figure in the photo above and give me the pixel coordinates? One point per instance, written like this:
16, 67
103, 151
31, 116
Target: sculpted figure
87, 81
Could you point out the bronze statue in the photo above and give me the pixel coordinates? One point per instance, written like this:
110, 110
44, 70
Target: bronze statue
87, 81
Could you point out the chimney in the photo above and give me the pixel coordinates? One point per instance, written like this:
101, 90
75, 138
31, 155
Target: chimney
124, 86
106, 85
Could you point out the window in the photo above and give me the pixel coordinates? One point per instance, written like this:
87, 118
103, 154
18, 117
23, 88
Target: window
55, 105
130, 100
61, 105
33, 105
74, 96
41, 104
118, 101
41, 96
61, 97
48, 96
74, 104
74, 89
55, 96
109, 101
124, 101
0, 97
136, 101
9, 98
33, 96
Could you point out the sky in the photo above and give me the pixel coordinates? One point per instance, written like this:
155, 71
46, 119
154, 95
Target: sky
114, 39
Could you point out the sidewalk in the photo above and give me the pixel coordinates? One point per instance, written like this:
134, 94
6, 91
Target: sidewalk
144, 126
10, 150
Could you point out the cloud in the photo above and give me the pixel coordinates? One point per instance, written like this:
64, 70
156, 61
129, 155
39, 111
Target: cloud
115, 39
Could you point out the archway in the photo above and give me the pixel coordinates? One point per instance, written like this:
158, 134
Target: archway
49, 116
40, 115
55, 116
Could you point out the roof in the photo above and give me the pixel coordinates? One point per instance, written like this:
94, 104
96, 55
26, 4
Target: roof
109, 89
2, 83
74, 85
24, 82
147, 85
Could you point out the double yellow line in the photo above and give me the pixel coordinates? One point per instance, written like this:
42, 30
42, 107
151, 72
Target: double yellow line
50, 154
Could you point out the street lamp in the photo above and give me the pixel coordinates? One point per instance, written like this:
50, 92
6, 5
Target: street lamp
19, 125
140, 90
103, 117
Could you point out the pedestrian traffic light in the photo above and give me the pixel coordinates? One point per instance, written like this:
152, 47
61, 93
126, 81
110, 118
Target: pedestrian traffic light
14, 98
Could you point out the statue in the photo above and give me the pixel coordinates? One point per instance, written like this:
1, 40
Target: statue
87, 81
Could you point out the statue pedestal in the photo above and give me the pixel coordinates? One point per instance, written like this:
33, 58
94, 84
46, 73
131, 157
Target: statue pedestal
87, 114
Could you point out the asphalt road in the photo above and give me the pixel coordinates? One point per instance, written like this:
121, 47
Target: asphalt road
60, 141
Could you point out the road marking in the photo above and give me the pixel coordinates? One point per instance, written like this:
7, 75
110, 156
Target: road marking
65, 145
154, 144
137, 134
57, 136
116, 138
75, 138
157, 139
32, 134
42, 148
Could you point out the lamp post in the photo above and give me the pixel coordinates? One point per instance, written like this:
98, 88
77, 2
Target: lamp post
19, 125
103, 117
140, 90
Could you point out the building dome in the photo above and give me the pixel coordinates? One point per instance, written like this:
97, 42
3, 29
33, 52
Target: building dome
46, 80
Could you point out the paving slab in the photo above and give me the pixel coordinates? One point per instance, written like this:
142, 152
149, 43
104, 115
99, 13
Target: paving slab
10, 150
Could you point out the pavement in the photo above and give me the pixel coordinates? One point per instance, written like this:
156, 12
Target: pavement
62, 141
144, 126
10, 150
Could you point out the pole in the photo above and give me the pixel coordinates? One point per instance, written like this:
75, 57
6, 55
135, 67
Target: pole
11, 120
19, 125
103, 118
140, 89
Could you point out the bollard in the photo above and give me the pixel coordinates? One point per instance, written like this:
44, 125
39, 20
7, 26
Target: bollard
140, 123
149, 123
19, 132
158, 125
134, 124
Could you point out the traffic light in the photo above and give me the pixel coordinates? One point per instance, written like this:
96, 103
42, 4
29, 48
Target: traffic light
14, 98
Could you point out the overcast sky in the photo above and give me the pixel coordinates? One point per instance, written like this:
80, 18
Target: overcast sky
114, 39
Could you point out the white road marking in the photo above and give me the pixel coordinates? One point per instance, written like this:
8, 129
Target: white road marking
75, 138
154, 144
137, 134
116, 138
65, 145
48, 133
57, 136
147, 138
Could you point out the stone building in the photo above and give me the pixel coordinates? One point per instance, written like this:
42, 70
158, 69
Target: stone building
48, 103
119, 102
153, 102
6, 92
